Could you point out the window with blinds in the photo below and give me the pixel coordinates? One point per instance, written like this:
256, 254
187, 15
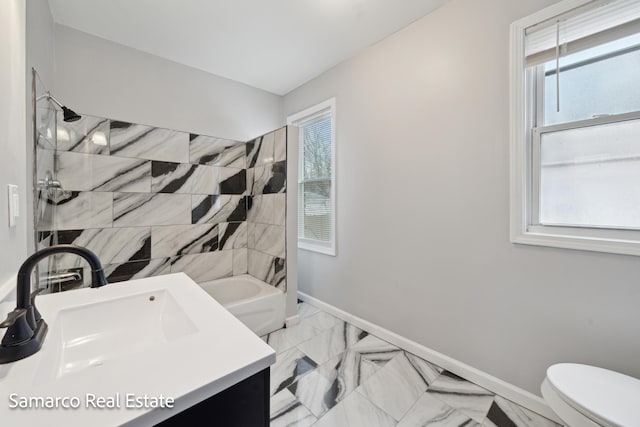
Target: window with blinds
576, 130
316, 182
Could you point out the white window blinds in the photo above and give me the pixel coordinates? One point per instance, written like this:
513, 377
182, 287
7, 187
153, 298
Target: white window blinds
590, 25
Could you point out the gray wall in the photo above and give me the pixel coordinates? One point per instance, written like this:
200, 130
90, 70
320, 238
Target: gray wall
423, 210
101, 78
12, 132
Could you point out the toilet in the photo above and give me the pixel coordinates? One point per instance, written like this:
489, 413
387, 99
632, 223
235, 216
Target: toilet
587, 396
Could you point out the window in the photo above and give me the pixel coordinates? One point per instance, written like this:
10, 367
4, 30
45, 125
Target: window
575, 126
316, 177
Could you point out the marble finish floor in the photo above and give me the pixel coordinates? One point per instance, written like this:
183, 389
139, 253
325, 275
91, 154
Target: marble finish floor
329, 373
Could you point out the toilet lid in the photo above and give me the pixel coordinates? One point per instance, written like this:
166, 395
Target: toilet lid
607, 397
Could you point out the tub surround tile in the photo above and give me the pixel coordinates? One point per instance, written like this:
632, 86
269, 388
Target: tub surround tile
260, 209
175, 240
207, 150
137, 269
355, 410
287, 411
79, 210
332, 342
290, 366
429, 411
184, 178
114, 245
250, 188
144, 209
233, 181
46, 124
89, 172
265, 152
252, 150
260, 265
503, 412
463, 395
270, 179
233, 235
239, 261
269, 239
217, 209
88, 135
399, 384
206, 266
279, 205
145, 142
280, 274
280, 145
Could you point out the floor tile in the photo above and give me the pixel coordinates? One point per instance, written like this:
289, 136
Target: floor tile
322, 321
287, 411
331, 342
355, 411
430, 411
289, 367
504, 413
315, 392
399, 384
462, 395
286, 338
306, 310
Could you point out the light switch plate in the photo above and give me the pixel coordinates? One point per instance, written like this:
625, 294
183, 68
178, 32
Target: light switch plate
14, 204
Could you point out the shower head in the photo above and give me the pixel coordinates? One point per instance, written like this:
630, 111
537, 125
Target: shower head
68, 114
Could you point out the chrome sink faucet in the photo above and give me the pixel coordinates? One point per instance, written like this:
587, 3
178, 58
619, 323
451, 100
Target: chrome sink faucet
26, 329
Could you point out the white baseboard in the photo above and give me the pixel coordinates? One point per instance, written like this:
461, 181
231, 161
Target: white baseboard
483, 379
291, 321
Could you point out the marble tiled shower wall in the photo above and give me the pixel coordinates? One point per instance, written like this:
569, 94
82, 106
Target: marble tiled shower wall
151, 201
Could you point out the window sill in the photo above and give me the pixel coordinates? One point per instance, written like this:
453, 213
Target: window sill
325, 250
582, 243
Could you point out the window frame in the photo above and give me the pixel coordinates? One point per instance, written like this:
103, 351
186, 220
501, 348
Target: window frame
525, 160
299, 119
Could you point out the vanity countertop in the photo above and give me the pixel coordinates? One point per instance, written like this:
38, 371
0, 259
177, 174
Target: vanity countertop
177, 342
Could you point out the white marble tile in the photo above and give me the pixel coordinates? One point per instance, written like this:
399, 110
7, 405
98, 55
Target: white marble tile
290, 366
331, 342
323, 321
205, 267
169, 177
78, 210
239, 261
398, 385
286, 338
250, 188
353, 411
232, 235
136, 269
270, 239
265, 154
429, 411
46, 124
112, 245
279, 208
233, 181
145, 142
463, 395
206, 180
90, 172
305, 310
174, 240
287, 411
280, 145
503, 412
140, 209
316, 393
88, 135
261, 209
261, 266
270, 178
209, 150
217, 209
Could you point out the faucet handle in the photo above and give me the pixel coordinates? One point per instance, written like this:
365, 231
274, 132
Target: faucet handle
18, 330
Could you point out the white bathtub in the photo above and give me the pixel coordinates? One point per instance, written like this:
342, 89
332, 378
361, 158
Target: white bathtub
256, 304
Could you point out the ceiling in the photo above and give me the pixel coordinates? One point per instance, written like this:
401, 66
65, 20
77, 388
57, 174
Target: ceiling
275, 45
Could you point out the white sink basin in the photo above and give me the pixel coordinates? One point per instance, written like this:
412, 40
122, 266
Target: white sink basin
91, 335
160, 336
